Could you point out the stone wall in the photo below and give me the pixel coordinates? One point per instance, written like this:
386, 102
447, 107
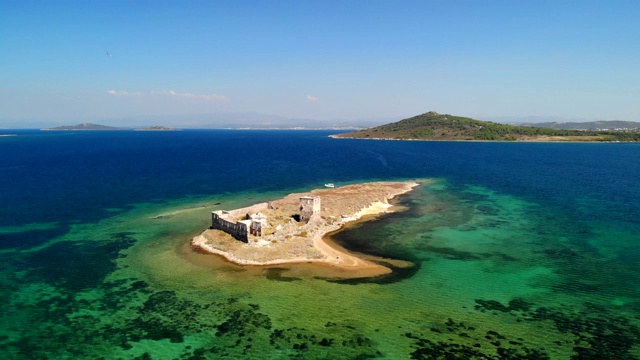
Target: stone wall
236, 229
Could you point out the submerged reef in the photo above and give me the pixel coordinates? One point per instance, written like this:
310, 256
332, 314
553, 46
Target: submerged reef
597, 332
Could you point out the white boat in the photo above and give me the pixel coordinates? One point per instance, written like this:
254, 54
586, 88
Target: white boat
329, 185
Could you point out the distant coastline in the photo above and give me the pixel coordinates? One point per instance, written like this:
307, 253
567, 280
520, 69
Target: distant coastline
290, 242
536, 140
432, 126
98, 127
83, 127
157, 128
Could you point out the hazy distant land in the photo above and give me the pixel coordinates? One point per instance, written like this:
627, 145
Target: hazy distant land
157, 128
428, 126
292, 125
611, 125
434, 126
90, 126
85, 126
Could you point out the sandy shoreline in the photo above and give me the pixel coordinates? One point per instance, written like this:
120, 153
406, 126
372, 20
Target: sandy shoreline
337, 208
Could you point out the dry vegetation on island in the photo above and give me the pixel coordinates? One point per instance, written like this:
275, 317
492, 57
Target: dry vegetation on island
287, 241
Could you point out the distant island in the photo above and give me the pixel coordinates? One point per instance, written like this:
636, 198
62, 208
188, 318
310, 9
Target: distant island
156, 128
84, 126
291, 229
434, 126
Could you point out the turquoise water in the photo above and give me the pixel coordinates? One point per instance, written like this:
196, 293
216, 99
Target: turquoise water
519, 250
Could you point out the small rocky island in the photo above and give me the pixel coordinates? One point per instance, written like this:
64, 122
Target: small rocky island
291, 229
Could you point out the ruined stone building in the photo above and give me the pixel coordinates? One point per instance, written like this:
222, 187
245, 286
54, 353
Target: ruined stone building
309, 206
253, 224
256, 222
241, 229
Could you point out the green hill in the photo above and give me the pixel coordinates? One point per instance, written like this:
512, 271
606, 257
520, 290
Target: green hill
434, 126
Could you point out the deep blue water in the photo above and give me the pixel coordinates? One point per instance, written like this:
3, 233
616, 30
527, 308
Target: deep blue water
67, 177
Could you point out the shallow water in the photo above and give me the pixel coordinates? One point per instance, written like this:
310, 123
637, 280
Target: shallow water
520, 250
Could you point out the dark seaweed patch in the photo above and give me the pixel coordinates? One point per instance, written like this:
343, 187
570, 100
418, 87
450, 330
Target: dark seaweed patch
165, 316
244, 322
599, 333
514, 305
491, 345
451, 253
454, 254
563, 253
487, 210
31, 238
340, 340
276, 274
79, 265
68, 334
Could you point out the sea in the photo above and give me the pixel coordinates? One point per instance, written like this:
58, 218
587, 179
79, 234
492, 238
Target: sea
517, 250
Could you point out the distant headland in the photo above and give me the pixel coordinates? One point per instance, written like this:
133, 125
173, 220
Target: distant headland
156, 128
434, 126
98, 127
84, 126
291, 229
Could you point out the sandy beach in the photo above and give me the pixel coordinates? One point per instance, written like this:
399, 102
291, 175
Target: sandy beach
289, 243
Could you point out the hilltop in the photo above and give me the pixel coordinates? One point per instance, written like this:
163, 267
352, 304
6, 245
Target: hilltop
85, 126
434, 126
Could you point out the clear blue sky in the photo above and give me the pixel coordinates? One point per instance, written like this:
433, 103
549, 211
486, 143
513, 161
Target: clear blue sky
319, 59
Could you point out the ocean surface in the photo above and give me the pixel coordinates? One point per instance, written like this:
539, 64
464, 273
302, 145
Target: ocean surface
520, 250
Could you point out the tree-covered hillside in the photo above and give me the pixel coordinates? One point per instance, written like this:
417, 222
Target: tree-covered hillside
434, 126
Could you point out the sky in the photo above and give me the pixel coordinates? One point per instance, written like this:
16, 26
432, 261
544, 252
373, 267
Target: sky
104, 61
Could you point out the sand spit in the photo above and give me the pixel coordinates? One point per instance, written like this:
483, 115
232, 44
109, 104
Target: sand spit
286, 241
